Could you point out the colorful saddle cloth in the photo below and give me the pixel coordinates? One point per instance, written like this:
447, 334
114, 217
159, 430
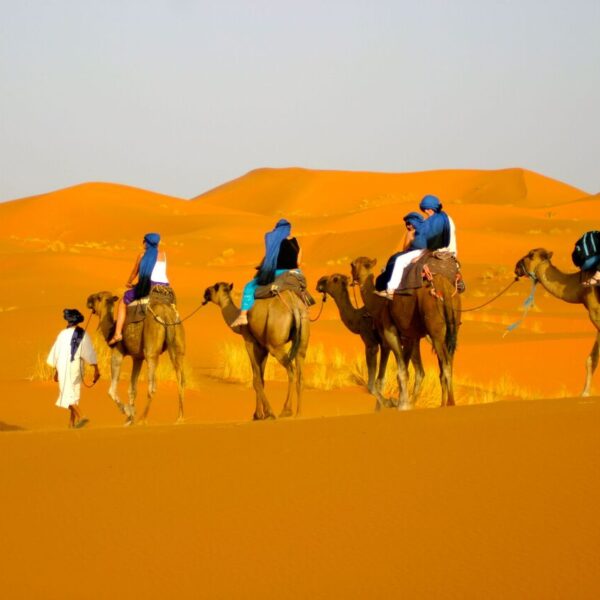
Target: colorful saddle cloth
292, 280
429, 264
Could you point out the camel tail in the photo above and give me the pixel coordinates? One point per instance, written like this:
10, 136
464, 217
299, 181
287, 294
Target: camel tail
451, 325
295, 334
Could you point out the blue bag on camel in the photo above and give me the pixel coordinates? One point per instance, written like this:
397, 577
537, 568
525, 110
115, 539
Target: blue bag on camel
586, 254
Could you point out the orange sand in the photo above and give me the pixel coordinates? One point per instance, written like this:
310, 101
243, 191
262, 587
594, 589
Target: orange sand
495, 501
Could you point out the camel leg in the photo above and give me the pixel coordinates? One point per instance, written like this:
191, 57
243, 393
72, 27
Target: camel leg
176, 357
280, 353
116, 360
299, 381
258, 359
132, 392
393, 341
590, 366
445, 363
152, 361
371, 351
384, 355
417, 364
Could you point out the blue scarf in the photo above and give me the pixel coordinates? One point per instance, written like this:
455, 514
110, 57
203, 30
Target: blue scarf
76, 341
273, 241
142, 287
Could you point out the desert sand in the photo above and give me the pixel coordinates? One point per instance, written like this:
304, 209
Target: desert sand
494, 498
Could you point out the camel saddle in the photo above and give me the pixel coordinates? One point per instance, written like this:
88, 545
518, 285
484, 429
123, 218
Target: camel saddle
293, 281
159, 294
429, 264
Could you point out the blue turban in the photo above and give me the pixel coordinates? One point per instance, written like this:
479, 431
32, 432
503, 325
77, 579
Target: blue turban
273, 241
414, 218
72, 316
147, 263
430, 202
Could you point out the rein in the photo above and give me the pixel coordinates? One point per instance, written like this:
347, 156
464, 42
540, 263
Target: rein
323, 300
180, 321
492, 299
81, 370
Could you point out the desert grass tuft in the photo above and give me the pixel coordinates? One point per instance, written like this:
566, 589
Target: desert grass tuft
333, 369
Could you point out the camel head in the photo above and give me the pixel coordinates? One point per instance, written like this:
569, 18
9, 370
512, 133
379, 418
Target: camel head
361, 268
531, 261
333, 285
102, 303
218, 293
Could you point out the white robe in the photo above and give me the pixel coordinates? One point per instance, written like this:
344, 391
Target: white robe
70, 371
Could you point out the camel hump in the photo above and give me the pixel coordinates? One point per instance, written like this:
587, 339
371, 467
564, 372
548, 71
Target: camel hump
292, 280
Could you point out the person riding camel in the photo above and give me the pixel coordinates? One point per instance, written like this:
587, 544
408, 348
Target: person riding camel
411, 221
282, 253
150, 269
436, 232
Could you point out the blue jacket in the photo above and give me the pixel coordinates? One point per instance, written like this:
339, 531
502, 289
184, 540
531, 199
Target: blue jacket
433, 233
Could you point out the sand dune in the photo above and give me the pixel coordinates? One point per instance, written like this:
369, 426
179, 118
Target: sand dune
484, 501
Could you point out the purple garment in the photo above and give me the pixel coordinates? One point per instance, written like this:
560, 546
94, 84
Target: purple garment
129, 295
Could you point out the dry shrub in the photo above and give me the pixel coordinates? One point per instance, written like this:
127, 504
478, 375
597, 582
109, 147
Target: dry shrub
331, 370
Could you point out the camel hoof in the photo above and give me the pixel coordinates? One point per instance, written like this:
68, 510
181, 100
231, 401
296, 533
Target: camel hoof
120, 406
257, 417
285, 413
404, 406
180, 421
128, 422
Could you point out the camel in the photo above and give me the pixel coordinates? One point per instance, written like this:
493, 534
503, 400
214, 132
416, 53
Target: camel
145, 339
272, 323
410, 318
568, 287
359, 321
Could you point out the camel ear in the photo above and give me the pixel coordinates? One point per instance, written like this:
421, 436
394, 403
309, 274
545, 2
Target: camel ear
550, 255
115, 298
373, 262
230, 286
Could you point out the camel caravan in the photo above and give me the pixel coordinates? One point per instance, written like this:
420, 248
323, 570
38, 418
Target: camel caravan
417, 295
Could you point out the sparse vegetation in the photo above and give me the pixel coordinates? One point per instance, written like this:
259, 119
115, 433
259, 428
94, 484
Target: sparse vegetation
335, 370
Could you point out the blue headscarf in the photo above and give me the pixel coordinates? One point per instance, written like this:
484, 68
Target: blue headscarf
273, 241
414, 218
430, 202
434, 232
142, 287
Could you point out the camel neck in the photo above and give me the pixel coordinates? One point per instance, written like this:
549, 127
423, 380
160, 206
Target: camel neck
229, 310
350, 316
106, 325
367, 292
564, 286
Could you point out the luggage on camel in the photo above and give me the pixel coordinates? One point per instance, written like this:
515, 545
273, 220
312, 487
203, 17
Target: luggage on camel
292, 280
159, 294
429, 264
586, 254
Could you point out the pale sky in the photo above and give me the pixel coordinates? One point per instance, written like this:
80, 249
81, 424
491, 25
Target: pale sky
178, 96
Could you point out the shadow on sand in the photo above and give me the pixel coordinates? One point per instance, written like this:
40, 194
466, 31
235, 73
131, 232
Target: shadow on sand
7, 427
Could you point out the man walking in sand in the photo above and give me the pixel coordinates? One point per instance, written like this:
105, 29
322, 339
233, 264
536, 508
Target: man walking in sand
72, 346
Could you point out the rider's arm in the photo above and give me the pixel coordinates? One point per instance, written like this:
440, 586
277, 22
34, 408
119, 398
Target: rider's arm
135, 271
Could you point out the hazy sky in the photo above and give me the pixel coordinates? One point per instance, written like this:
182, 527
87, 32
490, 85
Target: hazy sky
179, 96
